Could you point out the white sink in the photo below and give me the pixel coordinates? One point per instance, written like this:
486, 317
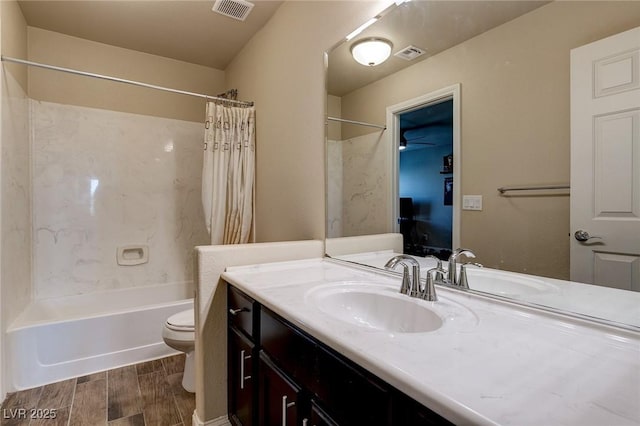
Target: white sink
376, 308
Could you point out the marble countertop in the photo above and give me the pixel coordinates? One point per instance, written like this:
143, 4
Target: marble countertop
610, 304
491, 362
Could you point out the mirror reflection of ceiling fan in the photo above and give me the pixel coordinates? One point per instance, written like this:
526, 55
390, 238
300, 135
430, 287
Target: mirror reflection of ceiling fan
425, 136
417, 140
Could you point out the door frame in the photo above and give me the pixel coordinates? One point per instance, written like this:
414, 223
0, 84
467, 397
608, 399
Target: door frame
393, 127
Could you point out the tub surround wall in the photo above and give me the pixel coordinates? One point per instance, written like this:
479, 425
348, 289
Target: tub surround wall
366, 185
334, 189
15, 229
105, 179
16, 199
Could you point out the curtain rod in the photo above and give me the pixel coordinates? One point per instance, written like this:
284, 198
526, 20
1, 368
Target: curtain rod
360, 123
122, 80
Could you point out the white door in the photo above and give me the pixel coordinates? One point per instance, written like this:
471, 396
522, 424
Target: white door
605, 162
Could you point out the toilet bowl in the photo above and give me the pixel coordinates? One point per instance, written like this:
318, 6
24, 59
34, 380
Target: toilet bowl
179, 333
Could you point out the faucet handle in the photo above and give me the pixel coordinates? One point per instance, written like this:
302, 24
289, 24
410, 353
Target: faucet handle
464, 282
429, 292
406, 286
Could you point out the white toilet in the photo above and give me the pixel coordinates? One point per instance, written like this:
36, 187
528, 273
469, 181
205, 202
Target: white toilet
179, 333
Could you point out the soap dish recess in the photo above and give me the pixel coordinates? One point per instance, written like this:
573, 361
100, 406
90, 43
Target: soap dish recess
132, 255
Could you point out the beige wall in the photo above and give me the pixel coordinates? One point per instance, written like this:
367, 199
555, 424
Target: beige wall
71, 52
515, 125
15, 229
14, 38
282, 70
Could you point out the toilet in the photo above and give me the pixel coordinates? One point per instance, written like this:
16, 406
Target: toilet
179, 333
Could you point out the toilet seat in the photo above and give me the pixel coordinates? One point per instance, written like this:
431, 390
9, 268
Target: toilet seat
182, 321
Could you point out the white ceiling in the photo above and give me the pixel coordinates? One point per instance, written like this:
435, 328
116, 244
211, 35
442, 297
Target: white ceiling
184, 30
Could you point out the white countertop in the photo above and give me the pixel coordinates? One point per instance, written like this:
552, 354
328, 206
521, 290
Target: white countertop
610, 304
490, 363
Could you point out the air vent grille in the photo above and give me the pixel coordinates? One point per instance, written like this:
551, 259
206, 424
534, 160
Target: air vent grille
409, 53
236, 9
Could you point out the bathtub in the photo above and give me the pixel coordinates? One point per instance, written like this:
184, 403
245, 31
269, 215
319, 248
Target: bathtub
60, 338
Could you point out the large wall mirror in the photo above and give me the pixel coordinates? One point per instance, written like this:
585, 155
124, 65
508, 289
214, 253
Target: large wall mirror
507, 126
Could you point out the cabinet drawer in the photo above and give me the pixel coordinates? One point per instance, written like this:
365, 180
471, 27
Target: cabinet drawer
242, 312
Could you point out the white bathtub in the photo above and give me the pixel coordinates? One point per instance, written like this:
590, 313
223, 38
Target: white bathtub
59, 338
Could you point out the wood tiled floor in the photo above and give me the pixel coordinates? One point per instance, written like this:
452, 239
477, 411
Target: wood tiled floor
147, 394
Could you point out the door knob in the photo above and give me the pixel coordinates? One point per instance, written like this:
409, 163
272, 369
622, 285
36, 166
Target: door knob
582, 236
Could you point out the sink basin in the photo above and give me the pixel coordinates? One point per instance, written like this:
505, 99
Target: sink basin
376, 308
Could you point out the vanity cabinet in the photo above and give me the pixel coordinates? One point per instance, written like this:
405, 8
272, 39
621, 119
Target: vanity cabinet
301, 381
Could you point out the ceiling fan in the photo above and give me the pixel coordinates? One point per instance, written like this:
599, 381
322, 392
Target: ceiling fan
413, 141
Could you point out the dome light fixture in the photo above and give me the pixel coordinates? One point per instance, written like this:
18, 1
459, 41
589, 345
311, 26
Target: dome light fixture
371, 51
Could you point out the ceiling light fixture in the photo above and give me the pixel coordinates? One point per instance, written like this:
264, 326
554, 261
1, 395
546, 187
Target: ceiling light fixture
371, 51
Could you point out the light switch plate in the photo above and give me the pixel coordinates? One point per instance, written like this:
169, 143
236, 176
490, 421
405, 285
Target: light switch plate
472, 202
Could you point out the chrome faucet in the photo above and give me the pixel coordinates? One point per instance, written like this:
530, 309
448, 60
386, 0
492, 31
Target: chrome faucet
410, 282
452, 277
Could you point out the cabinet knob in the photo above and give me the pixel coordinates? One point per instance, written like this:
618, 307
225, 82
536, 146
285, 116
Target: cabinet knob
235, 312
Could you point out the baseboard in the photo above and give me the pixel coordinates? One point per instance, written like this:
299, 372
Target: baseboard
220, 421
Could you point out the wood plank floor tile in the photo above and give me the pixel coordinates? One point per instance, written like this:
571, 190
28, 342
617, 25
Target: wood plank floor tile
17, 405
95, 376
23, 399
149, 367
90, 404
185, 401
137, 420
159, 406
61, 418
123, 393
174, 364
57, 395
15, 416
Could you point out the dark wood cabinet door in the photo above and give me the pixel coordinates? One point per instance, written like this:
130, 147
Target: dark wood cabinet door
318, 417
279, 397
242, 392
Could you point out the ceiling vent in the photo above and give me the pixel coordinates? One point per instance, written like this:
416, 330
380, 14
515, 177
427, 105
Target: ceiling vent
409, 53
236, 9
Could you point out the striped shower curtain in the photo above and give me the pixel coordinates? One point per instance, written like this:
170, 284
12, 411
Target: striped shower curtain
228, 173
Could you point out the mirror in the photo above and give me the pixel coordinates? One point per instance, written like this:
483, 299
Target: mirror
511, 60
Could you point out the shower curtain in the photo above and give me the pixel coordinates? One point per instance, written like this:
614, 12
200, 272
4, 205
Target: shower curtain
228, 173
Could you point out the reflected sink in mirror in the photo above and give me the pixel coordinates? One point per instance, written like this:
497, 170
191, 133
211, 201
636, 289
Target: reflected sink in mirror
382, 308
507, 285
